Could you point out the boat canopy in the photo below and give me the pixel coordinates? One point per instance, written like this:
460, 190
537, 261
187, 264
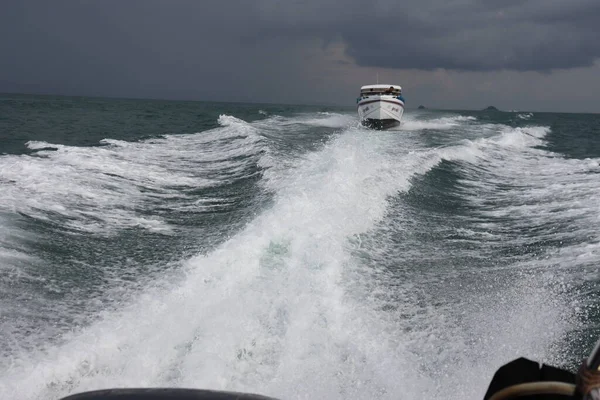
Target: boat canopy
379, 89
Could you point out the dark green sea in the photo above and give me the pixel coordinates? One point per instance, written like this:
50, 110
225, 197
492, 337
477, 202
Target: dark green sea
288, 251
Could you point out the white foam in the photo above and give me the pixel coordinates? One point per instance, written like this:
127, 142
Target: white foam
410, 123
267, 291
100, 189
283, 309
552, 187
325, 119
538, 196
525, 115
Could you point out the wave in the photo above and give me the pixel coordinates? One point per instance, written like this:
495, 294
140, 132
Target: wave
525, 115
536, 188
102, 189
280, 308
325, 119
443, 123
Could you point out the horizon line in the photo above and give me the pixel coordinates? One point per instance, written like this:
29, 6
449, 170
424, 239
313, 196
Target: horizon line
349, 106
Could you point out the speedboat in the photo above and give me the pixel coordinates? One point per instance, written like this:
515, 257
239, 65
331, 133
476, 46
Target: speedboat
380, 106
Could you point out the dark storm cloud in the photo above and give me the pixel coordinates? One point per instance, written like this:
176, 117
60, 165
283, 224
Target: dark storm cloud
521, 35
173, 49
211, 49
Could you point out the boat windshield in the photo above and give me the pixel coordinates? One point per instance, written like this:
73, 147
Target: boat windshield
379, 92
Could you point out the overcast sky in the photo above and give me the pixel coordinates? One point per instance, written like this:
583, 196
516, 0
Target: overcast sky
540, 55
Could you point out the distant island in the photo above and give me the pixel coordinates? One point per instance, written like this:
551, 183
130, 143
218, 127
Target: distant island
490, 108
421, 107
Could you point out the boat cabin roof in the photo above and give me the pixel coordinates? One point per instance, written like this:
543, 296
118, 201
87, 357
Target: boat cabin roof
380, 89
374, 87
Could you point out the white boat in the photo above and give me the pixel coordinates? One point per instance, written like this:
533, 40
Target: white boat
380, 106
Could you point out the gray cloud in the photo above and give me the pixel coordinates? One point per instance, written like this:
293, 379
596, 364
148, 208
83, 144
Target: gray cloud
284, 50
525, 35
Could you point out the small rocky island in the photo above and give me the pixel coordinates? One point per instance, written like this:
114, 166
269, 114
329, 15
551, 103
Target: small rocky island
490, 108
421, 107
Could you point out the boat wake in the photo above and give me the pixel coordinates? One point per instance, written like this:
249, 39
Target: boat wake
295, 303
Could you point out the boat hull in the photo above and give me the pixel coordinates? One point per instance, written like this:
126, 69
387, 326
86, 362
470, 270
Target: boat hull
380, 124
380, 112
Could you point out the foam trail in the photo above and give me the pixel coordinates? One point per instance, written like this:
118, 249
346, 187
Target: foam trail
102, 189
104, 206
535, 190
296, 247
322, 119
283, 308
474, 318
410, 123
330, 120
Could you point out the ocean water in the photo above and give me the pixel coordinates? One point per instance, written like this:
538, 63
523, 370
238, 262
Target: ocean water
287, 251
